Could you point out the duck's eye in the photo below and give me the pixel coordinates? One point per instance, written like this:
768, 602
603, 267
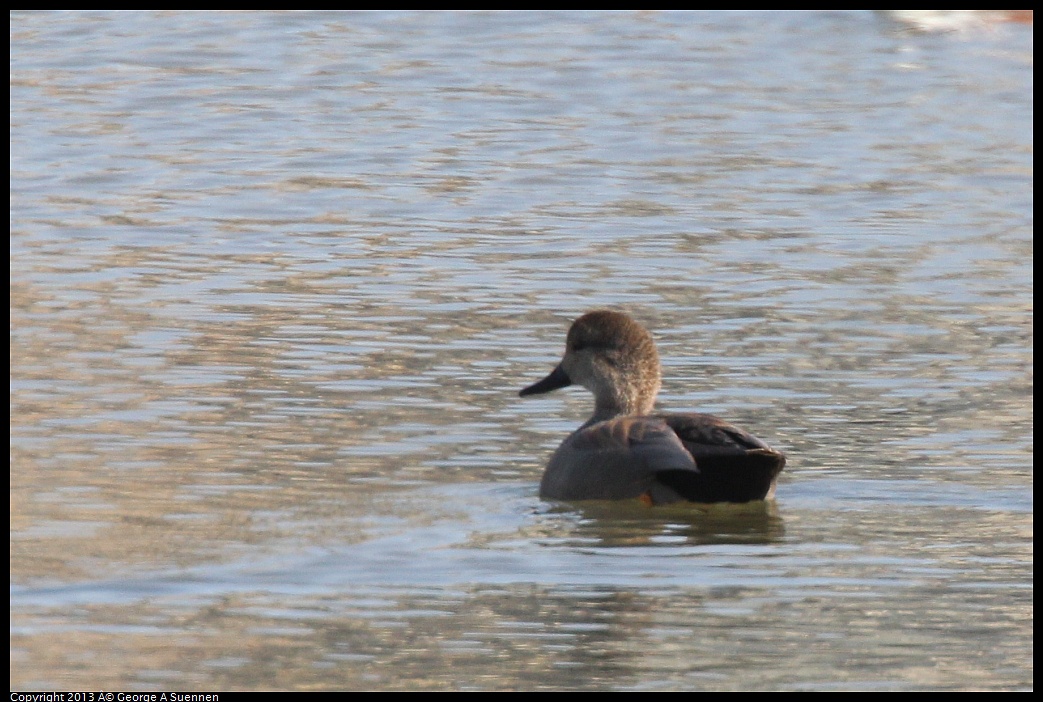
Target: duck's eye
577, 346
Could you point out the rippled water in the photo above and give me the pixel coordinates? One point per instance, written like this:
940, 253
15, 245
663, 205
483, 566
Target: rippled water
276, 279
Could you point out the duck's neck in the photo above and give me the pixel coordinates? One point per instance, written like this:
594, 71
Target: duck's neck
623, 400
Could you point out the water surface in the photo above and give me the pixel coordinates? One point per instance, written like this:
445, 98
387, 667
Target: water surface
276, 279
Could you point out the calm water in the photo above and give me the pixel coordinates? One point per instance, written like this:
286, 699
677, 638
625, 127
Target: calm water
277, 278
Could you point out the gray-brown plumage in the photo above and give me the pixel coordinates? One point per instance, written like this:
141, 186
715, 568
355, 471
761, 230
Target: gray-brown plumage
624, 450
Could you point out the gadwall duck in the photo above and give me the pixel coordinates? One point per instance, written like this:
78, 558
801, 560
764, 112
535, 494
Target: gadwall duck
624, 451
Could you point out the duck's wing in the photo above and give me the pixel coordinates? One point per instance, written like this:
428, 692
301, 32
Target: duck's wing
732, 464
617, 459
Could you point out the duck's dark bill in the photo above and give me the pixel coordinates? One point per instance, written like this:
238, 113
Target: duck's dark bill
557, 379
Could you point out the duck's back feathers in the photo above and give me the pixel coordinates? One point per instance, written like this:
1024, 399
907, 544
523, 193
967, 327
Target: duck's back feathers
617, 459
664, 458
732, 464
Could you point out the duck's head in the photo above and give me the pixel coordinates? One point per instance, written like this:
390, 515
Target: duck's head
614, 357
